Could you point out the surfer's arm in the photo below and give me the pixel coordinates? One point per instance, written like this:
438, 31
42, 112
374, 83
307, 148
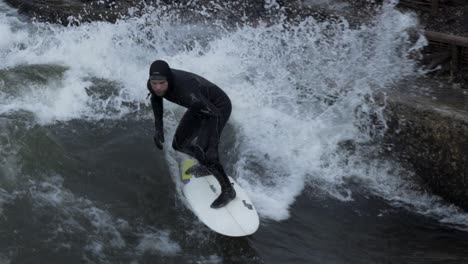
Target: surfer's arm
157, 105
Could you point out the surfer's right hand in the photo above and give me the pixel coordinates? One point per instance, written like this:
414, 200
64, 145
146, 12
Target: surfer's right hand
158, 140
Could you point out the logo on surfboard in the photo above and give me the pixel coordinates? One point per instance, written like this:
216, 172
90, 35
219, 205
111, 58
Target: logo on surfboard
213, 188
249, 206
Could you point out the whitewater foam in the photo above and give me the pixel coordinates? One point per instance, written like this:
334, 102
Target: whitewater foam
157, 243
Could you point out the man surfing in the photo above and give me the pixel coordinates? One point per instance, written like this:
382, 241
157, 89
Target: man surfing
200, 128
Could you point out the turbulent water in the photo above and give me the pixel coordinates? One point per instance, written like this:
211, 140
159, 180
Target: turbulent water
81, 181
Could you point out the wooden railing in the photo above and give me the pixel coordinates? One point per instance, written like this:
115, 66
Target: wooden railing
448, 48
431, 6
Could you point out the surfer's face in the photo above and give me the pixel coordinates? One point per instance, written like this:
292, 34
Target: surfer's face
159, 87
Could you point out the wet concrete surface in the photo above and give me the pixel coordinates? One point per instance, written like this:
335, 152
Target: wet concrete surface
427, 123
438, 93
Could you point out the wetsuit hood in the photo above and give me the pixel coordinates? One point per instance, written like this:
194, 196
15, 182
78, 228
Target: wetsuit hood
159, 69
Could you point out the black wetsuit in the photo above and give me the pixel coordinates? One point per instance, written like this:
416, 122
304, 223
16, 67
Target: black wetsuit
200, 129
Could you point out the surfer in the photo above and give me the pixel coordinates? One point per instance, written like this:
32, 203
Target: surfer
200, 128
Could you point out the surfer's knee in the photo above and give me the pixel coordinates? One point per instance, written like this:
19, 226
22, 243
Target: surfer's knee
212, 156
210, 160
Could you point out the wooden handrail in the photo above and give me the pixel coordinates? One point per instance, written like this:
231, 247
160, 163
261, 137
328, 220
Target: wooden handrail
455, 52
428, 5
416, 2
446, 38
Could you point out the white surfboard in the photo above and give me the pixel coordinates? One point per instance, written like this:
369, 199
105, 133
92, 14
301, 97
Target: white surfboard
238, 218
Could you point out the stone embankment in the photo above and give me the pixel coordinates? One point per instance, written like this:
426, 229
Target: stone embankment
71, 11
428, 118
428, 129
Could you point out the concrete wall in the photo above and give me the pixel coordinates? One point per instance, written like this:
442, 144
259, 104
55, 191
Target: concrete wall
432, 136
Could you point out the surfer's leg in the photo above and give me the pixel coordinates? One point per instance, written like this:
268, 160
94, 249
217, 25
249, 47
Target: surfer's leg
227, 191
209, 136
208, 140
185, 133
205, 147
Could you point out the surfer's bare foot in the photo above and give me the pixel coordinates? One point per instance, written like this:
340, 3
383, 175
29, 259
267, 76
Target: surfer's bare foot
198, 170
224, 198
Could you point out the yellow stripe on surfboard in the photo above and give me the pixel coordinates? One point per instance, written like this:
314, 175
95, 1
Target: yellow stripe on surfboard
187, 164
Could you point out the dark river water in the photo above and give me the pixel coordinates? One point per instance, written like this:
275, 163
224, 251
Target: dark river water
101, 192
